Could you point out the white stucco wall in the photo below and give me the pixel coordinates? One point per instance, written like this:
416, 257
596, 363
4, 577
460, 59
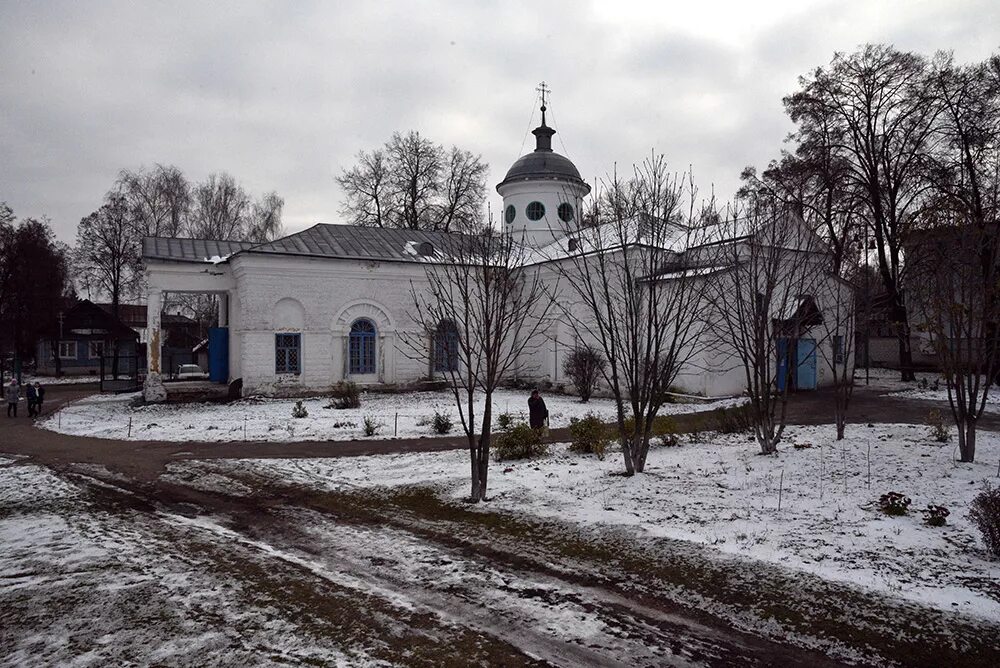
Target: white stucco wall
320, 299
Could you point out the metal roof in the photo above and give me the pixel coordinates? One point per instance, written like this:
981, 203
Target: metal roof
190, 250
359, 242
321, 240
541, 164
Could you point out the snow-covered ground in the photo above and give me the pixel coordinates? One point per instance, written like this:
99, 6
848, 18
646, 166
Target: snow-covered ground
62, 380
722, 493
398, 416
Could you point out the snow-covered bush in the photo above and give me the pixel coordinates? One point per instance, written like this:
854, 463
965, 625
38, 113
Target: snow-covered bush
985, 514
371, 426
441, 423
589, 435
345, 395
520, 442
894, 503
299, 410
505, 421
938, 429
584, 367
935, 516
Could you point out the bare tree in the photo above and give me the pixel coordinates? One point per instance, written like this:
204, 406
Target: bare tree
836, 330
159, 200
585, 366
478, 315
108, 256
220, 208
762, 300
958, 258
413, 183
633, 294
875, 112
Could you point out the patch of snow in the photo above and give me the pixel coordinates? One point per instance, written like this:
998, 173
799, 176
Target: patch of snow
61, 380
405, 415
724, 494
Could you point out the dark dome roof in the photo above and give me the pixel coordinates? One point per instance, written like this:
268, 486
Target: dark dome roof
542, 165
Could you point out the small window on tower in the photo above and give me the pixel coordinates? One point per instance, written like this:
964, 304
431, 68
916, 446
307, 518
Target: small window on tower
535, 211
566, 212
510, 214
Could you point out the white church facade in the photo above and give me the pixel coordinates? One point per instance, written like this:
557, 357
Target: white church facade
332, 303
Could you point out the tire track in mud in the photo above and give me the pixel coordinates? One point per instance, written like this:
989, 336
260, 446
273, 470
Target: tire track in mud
535, 613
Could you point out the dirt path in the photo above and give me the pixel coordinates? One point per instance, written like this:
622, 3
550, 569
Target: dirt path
147, 459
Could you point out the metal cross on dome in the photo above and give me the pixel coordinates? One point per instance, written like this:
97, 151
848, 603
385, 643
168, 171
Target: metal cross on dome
544, 90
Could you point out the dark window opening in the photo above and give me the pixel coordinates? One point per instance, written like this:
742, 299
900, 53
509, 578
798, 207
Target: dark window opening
566, 212
535, 211
446, 347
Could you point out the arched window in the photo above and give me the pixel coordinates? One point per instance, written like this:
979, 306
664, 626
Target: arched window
362, 347
446, 347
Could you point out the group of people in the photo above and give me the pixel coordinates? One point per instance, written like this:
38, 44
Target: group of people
34, 394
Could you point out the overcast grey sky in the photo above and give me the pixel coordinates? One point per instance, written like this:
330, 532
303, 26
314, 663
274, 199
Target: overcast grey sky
283, 95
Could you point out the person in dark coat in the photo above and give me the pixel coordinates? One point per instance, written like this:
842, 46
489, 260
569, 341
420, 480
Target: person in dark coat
537, 412
12, 394
31, 396
39, 398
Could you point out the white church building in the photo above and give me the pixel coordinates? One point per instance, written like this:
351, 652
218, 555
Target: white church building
331, 303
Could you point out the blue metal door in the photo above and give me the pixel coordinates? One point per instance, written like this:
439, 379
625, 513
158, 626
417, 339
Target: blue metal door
782, 374
805, 365
218, 354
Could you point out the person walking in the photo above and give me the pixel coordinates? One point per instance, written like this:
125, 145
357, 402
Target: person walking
12, 394
30, 396
538, 414
39, 397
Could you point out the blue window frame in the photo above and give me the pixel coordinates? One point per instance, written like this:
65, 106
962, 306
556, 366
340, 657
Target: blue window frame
446, 347
362, 347
288, 353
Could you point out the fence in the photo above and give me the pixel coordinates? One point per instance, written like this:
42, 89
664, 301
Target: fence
121, 373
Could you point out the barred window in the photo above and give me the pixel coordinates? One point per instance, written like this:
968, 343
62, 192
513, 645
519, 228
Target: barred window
838, 349
288, 353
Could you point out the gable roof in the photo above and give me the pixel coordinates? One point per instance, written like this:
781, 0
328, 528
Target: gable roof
88, 319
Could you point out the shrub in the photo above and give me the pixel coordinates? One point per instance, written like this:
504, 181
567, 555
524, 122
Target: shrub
299, 410
345, 395
735, 420
520, 442
938, 429
584, 366
985, 514
371, 426
935, 516
441, 423
894, 503
505, 421
665, 430
589, 435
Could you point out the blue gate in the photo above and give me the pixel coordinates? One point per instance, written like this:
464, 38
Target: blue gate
218, 354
